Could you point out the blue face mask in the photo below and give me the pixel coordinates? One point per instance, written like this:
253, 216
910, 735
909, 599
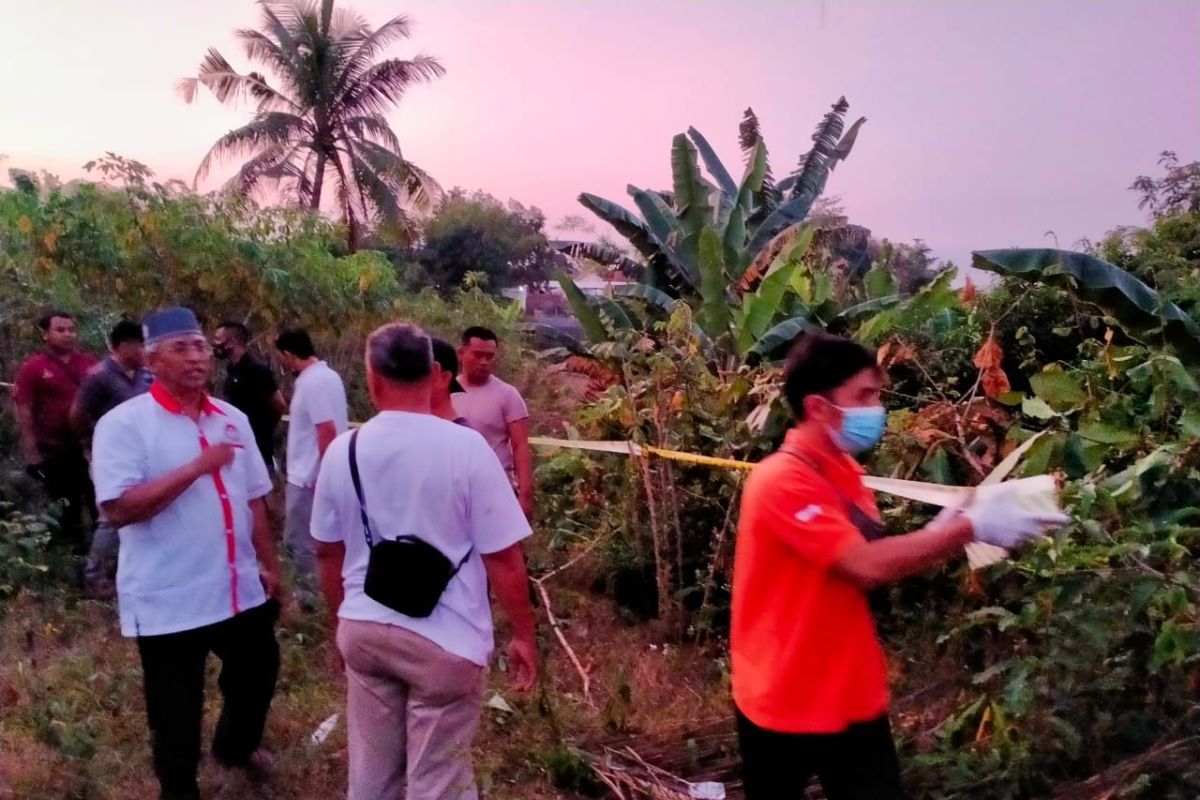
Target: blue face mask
862, 428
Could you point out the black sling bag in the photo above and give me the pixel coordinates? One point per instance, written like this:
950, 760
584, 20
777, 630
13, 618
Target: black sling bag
407, 574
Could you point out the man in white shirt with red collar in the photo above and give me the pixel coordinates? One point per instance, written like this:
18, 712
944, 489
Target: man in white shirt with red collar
179, 473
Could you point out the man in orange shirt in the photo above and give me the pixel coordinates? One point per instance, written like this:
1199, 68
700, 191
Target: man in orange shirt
809, 679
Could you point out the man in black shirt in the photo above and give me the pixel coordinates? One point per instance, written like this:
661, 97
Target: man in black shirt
250, 386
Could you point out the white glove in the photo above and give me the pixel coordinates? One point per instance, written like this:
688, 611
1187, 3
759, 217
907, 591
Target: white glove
1011, 513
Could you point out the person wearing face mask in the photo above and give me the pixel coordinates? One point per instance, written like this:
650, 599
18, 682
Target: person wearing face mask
250, 386
809, 678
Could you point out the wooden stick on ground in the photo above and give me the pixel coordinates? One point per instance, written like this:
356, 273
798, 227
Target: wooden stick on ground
540, 584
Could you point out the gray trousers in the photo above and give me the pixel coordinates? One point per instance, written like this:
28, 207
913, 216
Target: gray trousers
412, 711
297, 540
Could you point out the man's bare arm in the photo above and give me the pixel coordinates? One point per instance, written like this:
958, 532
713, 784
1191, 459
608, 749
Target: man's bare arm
326, 433
330, 557
518, 436
264, 547
510, 586
143, 502
883, 561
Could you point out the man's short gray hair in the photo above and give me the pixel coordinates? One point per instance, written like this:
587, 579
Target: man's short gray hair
400, 351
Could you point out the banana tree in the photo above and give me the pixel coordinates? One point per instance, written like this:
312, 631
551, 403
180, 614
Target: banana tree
711, 241
1132, 303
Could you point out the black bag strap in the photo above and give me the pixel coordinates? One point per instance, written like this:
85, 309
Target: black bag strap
362, 503
358, 490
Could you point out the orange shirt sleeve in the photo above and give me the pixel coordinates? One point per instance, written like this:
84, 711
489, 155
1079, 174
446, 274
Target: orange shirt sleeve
810, 519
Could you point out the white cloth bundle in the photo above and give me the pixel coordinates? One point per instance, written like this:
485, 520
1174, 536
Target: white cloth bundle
1036, 494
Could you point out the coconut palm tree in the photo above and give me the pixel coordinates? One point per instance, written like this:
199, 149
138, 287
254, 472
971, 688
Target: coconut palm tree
320, 97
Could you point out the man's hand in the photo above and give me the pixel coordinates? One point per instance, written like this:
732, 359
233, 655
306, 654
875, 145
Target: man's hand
510, 586
214, 458
522, 665
269, 575
525, 498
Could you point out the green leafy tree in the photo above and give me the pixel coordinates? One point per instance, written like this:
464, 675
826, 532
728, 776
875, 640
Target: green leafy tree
1177, 192
320, 102
476, 233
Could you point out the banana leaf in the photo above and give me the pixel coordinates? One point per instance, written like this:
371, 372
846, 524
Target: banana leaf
589, 318
761, 307
624, 221
878, 304
659, 216
614, 314
647, 294
691, 189
846, 144
1112, 288
664, 302
554, 336
715, 168
601, 254
714, 306
815, 165
734, 241
642, 238
752, 180
778, 336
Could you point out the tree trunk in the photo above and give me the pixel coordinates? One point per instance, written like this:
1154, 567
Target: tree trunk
314, 202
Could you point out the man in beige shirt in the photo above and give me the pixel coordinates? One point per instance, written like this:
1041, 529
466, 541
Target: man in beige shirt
495, 409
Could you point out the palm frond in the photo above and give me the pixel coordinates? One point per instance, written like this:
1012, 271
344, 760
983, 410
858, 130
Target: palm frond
275, 128
378, 196
228, 85
416, 186
346, 26
272, 165
262, 49
382, 85
374, 128
366, 47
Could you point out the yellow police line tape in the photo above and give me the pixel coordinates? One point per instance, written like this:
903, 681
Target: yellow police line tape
979, 554
932, 493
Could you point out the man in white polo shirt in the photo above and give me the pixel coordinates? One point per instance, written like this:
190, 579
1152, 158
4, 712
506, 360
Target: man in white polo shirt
317, 414
179, 474
415, 684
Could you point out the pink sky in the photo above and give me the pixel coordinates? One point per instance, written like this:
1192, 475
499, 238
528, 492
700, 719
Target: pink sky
990, 123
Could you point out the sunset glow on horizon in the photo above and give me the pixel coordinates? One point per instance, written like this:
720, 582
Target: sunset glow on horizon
989, 123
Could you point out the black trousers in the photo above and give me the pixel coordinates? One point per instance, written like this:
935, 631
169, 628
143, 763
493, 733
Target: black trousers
67, 479
857, 764
173, 666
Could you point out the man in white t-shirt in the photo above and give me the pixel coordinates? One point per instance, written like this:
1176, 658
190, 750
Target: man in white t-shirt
317, 414
415, 685
178, 473
495, 409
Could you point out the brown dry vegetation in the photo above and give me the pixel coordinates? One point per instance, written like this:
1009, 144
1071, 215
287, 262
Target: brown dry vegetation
73, 723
